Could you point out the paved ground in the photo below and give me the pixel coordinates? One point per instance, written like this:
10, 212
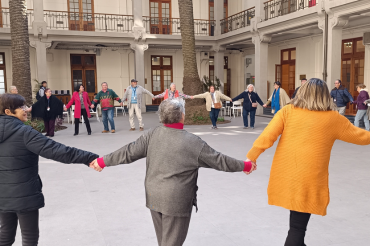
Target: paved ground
84, 207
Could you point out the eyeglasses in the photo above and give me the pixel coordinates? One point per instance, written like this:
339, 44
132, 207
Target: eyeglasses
24, 108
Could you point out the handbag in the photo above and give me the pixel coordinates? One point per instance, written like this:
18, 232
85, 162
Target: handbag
254, 105
216, 105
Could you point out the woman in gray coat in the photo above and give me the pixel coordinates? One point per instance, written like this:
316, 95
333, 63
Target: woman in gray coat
172, 170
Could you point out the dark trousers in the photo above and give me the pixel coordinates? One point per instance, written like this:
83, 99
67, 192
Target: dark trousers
49, 127
297, 229
29, 223
214, 115
86, 119
170, 230
245, 117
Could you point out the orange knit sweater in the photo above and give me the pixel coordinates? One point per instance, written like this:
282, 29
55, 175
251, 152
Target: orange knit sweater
299, 173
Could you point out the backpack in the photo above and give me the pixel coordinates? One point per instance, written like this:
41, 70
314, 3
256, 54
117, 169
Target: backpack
344, 97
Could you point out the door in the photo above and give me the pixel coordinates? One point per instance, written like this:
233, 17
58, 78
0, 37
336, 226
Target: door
81, 15
162, 75
287, 70
160, 16
353, 68
83, 72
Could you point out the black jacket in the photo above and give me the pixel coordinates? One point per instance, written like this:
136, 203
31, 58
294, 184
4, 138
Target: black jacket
39, 109
295, 92
20, 147
341, 95
247, 105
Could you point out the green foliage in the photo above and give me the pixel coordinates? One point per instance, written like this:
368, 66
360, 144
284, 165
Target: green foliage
221, 119
198, 118
207, 83
38, 125
36, 89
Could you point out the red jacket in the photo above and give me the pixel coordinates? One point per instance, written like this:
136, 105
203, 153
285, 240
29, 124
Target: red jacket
76, 100
166, 94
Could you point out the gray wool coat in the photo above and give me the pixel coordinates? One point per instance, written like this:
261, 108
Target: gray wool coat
368, 109
139, 93
173, 160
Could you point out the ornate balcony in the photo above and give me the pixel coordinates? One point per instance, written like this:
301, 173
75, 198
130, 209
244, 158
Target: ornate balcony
5, 18
237, 21
275, 8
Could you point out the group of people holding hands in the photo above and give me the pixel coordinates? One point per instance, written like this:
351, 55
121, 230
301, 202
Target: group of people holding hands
296, 182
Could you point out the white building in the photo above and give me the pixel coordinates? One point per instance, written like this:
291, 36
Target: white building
239, 41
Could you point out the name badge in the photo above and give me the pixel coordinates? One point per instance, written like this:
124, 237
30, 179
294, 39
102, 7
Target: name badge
48, 109
368, 104
335, 100
134, 98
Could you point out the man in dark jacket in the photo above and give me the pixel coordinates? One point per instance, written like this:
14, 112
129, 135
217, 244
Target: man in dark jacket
341, 96
296, 90
249, 97
20, 185
41, 92
172, 170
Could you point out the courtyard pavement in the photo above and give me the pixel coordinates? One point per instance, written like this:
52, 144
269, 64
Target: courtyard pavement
87, 208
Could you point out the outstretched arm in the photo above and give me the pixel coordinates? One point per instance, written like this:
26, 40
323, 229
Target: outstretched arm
148, 92
353, 134
47, 148
159, 96
268, 136
210, 158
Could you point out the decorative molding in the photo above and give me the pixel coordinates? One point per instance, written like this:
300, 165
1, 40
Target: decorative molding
218, 48
138, 46
38, 44
139, 33
338, 22
261, 38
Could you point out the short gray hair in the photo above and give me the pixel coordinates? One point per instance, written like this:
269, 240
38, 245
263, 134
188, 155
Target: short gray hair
104, 83
170, 111
172, 84
13, 87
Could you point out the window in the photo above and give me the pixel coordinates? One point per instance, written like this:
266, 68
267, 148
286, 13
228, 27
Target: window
81, 15
2, 74
160, 17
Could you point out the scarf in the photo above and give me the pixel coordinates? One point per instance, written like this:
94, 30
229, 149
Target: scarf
275, 104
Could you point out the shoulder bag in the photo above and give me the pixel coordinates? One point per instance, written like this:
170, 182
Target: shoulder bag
216, 105
254, 105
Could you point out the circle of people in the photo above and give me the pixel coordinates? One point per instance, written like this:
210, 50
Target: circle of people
171, 176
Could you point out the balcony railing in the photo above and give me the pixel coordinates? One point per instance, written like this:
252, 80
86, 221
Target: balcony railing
237, 21
5, 17
63, 20
171, 26
275, 8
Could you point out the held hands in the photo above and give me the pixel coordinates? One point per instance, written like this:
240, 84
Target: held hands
65, 109
121, 104
254, 167
192, 97
92, 106
264, 105
94, 165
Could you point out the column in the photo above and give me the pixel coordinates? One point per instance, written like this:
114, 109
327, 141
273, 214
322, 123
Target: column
39, 25
367, 65
219, 15
261, 70
334, 46
138, 29
219, 65
41, 62
140, 68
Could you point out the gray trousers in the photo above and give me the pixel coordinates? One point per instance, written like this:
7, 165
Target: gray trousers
170, 230
342, 110
362, 115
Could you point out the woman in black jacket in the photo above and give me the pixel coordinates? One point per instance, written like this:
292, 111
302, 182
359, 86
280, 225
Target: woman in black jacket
20, 185
48, 108
251, 99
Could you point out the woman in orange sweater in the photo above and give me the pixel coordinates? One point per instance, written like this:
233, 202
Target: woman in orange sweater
299, 173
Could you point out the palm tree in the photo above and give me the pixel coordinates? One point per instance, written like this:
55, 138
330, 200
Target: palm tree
20, 48
191, 81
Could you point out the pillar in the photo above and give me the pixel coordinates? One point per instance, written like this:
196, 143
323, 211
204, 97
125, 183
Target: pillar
219, 15
219, 65
367, 65
140, 68
261, 67
334, 46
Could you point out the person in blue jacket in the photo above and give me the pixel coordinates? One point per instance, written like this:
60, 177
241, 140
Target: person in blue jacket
341, 96
251, 99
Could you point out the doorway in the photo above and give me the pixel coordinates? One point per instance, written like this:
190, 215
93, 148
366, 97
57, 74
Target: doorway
162, 75
83, 72
287, 70
160, 17
81, 15
353, 68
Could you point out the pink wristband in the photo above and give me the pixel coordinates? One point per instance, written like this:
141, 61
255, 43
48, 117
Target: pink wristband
247, 166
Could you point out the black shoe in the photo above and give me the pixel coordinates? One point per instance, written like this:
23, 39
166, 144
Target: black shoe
46, 135
89, 133
75, 134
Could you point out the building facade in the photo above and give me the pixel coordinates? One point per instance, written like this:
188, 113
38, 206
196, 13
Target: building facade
238, 41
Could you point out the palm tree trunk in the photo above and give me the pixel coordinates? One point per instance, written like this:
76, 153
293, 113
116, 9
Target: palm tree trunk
20, 48
191, 81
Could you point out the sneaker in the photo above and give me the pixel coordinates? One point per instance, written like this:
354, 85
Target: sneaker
75, 134
113, 131
89, 133
216, 128
246, 127
132, 129
105, 131
141, 128
252, 127
212, 127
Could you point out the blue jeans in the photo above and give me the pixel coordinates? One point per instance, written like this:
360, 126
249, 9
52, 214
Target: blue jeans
361, 115
214, 115
108, 115
245, 117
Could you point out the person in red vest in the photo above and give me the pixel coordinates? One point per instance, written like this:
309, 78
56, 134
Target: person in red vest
171, 93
